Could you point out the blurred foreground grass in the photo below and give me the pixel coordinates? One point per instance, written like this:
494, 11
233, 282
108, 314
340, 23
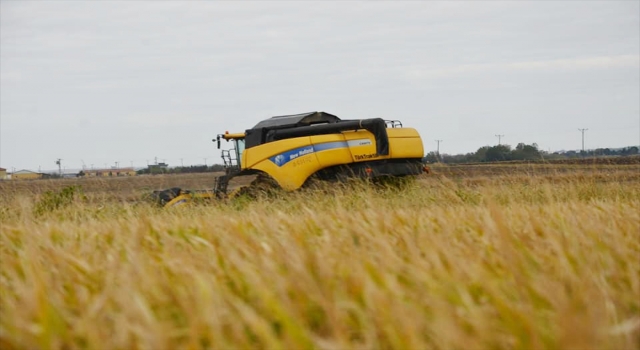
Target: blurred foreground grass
544, 261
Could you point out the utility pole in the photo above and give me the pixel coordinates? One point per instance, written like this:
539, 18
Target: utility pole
182, 162
59, 163
438, 150
117, 162
582, 131
499, 139
205, 161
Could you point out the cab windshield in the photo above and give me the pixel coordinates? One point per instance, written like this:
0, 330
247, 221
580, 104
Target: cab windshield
239, 149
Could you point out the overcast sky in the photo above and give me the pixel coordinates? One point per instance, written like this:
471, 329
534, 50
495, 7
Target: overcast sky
105, 81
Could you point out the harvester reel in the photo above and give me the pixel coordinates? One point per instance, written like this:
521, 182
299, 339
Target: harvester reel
165, 196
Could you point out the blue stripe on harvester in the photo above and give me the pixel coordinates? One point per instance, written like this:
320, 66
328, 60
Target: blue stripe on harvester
284, 158
330, 145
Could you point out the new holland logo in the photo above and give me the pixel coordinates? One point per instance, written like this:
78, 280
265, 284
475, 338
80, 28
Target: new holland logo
279, 160
286, 157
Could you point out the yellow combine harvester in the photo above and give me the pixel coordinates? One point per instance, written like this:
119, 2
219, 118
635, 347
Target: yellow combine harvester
287, 151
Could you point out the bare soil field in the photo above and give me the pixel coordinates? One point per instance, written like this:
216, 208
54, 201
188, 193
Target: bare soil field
604, 172
111, 185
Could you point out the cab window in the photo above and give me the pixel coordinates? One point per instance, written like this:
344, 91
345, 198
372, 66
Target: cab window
239, 149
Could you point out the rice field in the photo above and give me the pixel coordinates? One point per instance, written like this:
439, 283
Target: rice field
527, 258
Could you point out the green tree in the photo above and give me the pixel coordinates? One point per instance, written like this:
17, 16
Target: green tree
431, 157
481, 154
498, 153
525, 152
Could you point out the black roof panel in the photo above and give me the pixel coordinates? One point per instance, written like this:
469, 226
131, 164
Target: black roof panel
302, 119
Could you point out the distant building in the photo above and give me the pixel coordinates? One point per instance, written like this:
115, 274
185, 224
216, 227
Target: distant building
27, 175
3, 174
109, 172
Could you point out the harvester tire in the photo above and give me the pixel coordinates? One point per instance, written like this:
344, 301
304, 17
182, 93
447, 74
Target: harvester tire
262, 186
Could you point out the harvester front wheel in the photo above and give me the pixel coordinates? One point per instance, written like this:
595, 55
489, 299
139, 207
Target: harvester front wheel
262, 185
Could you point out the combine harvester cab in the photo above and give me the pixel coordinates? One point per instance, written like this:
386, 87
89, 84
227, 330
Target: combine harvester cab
286, 151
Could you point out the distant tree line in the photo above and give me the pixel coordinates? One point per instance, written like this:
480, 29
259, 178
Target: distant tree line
522, 152
625, 151
153, 170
